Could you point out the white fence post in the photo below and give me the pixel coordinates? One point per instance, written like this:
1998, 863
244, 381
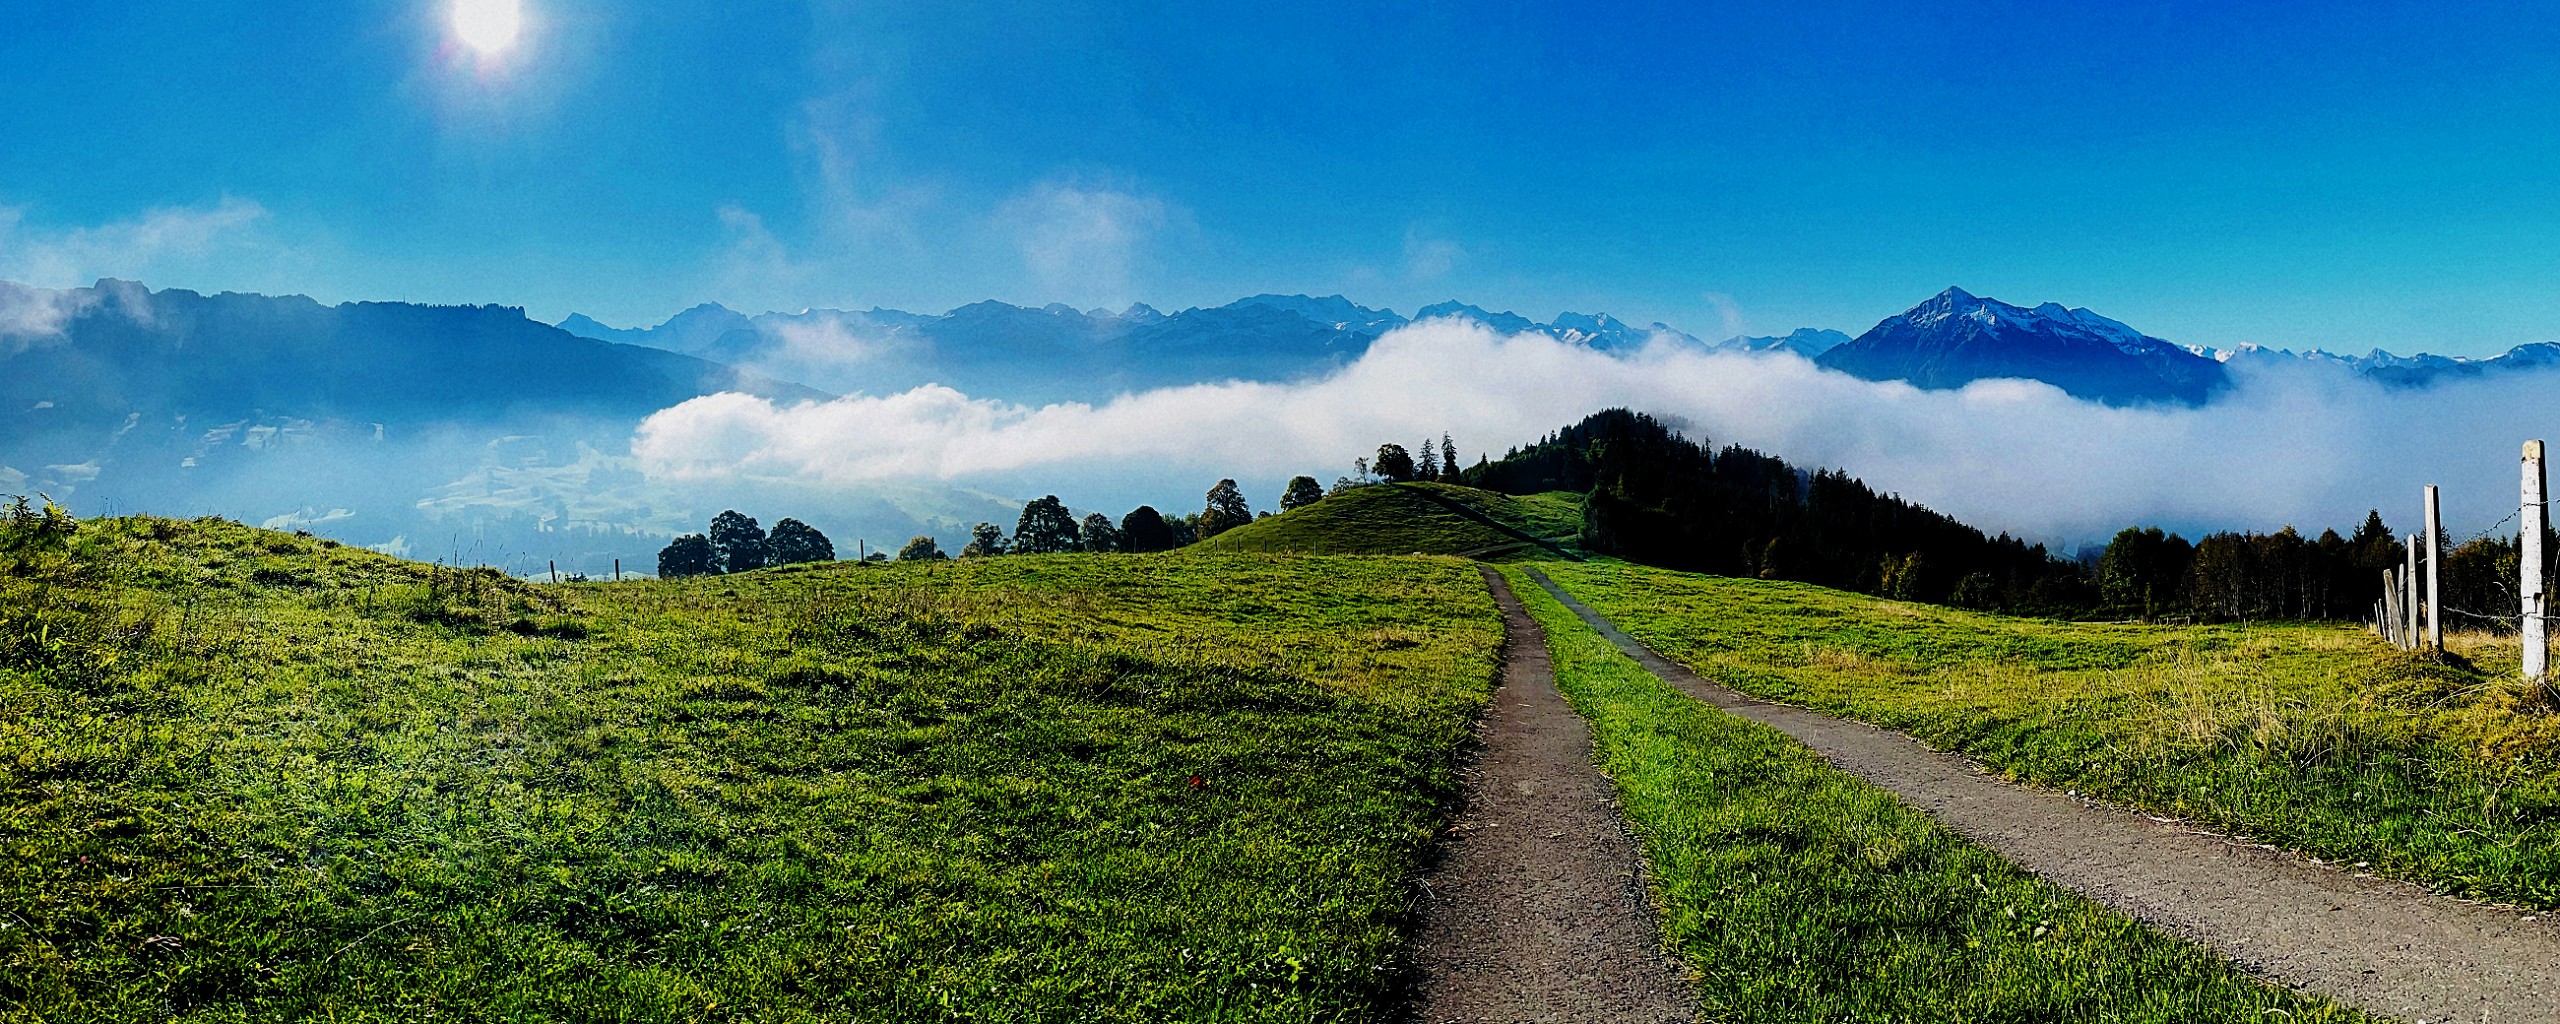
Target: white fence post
2409, 595
2435, 574
2537, 650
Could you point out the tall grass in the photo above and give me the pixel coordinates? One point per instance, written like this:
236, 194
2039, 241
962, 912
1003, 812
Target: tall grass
2316, 737
1797, 892
268, 778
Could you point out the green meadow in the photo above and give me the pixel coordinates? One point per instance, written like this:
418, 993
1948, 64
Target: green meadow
2316, 737
248, 776
1415, 519
1797, 892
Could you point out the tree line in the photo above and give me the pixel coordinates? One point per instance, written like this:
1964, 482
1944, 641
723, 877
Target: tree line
2234, 576
734, 543
1047, 527
1655, 496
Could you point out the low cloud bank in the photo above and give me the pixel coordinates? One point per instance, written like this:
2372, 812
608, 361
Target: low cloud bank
2308, 445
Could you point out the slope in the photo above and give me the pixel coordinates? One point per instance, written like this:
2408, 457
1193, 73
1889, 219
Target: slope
251, 776
1415, 518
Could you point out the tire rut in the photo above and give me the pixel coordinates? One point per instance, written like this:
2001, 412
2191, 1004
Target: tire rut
2387, 946
1537, 909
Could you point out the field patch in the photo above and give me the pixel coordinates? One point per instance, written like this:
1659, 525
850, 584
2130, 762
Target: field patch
249, 776
2316, 737
1415, 518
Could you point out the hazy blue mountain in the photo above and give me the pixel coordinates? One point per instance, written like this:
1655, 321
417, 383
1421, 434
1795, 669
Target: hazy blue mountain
1333, 310
2424, 370
1956, 338
691, 332
1809, 342
1506, 321
446, 432
1057, 353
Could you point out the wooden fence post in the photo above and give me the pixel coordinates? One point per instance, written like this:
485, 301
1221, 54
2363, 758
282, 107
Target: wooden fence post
2537, 650
2387, 620
555, 570
2435, 574
617, 570
2409, 596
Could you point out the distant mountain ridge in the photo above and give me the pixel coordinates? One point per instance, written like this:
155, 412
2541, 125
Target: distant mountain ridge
460, 433
1059, 353
1956, 338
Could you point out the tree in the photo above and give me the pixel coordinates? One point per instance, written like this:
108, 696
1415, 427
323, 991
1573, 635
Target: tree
921, 549
737, 543
1360, 470
2146, 571
1303, 491
689, 555
984, 540
793, 542
1905, 578
1186, 530
1046, 527
1448, 460
1430, 467
1144, 529
1393, 463
1225, 510
1098, 534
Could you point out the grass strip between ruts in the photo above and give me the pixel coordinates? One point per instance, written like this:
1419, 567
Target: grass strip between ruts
1797, 892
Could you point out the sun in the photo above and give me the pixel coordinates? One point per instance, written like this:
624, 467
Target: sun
488, 26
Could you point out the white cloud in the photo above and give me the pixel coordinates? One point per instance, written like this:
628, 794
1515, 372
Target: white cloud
1427, 258
1730, 323
151, 245
2300, 445
1082, 243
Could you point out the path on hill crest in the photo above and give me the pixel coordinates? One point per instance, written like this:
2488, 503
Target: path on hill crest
2390, 947
1536, 909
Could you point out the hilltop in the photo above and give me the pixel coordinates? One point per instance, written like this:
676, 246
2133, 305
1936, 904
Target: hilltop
1417, 519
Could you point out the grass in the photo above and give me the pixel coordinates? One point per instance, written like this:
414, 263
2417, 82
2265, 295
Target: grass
1797, 892
246, 776
2316, 737
1399, 519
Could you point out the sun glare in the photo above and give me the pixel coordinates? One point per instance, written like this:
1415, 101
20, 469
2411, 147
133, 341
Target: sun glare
487, 25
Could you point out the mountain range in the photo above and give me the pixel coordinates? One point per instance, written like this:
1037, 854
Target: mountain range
1058, 353
474, 432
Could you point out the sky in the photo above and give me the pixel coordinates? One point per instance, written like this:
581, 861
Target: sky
2345, 176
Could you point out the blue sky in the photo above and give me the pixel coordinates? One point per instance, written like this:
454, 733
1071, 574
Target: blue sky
2296, 175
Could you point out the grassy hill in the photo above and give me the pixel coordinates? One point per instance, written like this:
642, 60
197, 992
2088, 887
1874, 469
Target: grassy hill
2317, 737
246, 775
1419, 518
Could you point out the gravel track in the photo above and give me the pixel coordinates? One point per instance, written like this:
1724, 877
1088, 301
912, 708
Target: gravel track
2390, 947
1536, 909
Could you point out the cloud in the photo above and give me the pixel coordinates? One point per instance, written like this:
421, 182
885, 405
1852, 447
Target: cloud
1427, 258
1082, 243
35, 316
1730, 323
2304, 445
157, 244
752, 262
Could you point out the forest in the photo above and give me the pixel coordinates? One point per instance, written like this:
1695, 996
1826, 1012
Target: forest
1660, 498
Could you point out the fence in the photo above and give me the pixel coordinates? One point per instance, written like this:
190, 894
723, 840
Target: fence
2412, 611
